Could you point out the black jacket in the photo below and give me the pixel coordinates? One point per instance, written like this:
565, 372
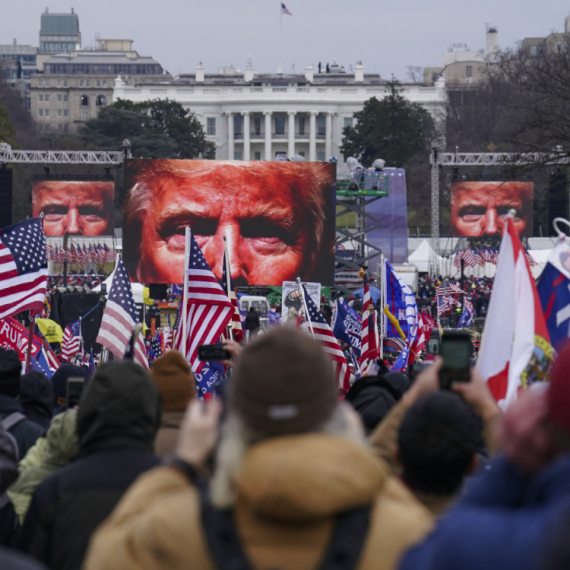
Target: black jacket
117, 421
8, 474
25, 432
251, 321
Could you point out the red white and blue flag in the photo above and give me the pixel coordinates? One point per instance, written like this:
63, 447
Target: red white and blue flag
23, 268
71, 341
207, 310
284, 10
120, 318
369, 345
323, 333
228, 285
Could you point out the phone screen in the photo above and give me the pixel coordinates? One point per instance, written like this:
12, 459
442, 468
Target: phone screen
456, 353
75, 388
213, 352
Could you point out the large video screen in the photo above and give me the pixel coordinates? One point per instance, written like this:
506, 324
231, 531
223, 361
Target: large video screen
479, 209
75, 207
278, 219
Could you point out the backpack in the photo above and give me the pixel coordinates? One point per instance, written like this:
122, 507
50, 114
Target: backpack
225, 547
10, 422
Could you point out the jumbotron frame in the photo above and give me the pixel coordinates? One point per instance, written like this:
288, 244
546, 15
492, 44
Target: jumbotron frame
454, 159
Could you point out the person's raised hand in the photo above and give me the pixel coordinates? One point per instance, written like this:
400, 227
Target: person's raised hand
235, 349
199, 431
427, 381
523, 433
477, 394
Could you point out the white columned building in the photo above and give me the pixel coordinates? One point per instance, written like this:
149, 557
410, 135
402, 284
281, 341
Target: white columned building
253, 116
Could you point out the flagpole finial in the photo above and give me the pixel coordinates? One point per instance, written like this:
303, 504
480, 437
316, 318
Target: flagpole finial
298, 280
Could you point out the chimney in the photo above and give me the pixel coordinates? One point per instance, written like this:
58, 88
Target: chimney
492, 42
309, 73
359, 72
249, 73
567, 25
200, 73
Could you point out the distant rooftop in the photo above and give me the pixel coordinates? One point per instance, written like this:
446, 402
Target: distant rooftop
59, 24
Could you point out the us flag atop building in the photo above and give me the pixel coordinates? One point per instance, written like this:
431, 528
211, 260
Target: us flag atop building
120, 317
206, 309
71, 341
23, 268
323, 333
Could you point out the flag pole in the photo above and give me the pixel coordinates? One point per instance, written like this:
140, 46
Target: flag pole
383, 304
30, 336
305, 305
229, 328
280, 64
185, 291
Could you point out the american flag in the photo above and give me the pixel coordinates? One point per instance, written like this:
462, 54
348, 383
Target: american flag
284, 10
208, 309
155, 350
324, 335
71, 341
446, 288
228, 285
23, 268
120, 317
368, 335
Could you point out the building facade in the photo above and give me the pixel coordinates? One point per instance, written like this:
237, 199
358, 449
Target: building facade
18, 64
59, 33
253, 116
72, 88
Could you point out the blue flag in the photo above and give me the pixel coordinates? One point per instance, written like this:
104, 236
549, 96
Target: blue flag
346, 326
91, 362
467, 315
211, 374
39, 363
554, 293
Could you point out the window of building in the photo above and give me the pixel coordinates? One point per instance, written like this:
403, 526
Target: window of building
257, 126
98, 83
468, 71
302, 153
84, 113
321, 156
59, 98
46, 82
348, 122
101, 101
257, 155
65, 98
104, 83
40, 112
321, 125
237, 155
65, 83
40, 82
65, 113
84, 101
58, 83
238, 126
211, 126
46, 112
82, 83
59, 113
41, 97
46, 98
301, 125
279, 125
559, 47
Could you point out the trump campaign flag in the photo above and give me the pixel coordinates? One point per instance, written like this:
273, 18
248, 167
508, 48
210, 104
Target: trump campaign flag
346, 326
554, 292
516, 350
467, 315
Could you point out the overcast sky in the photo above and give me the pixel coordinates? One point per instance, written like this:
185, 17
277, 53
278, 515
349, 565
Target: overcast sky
385, 36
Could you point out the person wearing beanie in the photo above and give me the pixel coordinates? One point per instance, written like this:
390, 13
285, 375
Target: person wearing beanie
59, 383
291, 464
117, 421
36, 397
175, 382
513, 518
24, 431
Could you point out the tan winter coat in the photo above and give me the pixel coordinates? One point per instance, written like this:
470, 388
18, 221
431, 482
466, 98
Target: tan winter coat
289, 490
167, 436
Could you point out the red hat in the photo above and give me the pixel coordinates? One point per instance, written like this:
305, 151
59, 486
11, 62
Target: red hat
559, 390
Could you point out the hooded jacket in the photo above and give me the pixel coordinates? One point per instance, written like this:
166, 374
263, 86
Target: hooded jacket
36, 397
61, 447
289, 491
117, 420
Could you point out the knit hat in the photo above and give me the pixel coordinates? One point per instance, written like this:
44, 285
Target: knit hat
10, 370
559, 389
174, 380
283, 384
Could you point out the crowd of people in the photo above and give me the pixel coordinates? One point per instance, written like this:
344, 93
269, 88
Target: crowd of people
133, 471
85, 283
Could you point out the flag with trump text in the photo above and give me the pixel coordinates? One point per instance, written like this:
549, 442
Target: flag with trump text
120, 318
515, 350
323, 333
23, 268
207, 309
346, 326
71, 341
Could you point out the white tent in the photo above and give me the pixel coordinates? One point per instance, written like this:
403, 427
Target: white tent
421, 257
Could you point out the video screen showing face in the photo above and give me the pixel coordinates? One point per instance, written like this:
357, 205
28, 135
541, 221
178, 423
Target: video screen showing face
278, 219
75, 207
479, 209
